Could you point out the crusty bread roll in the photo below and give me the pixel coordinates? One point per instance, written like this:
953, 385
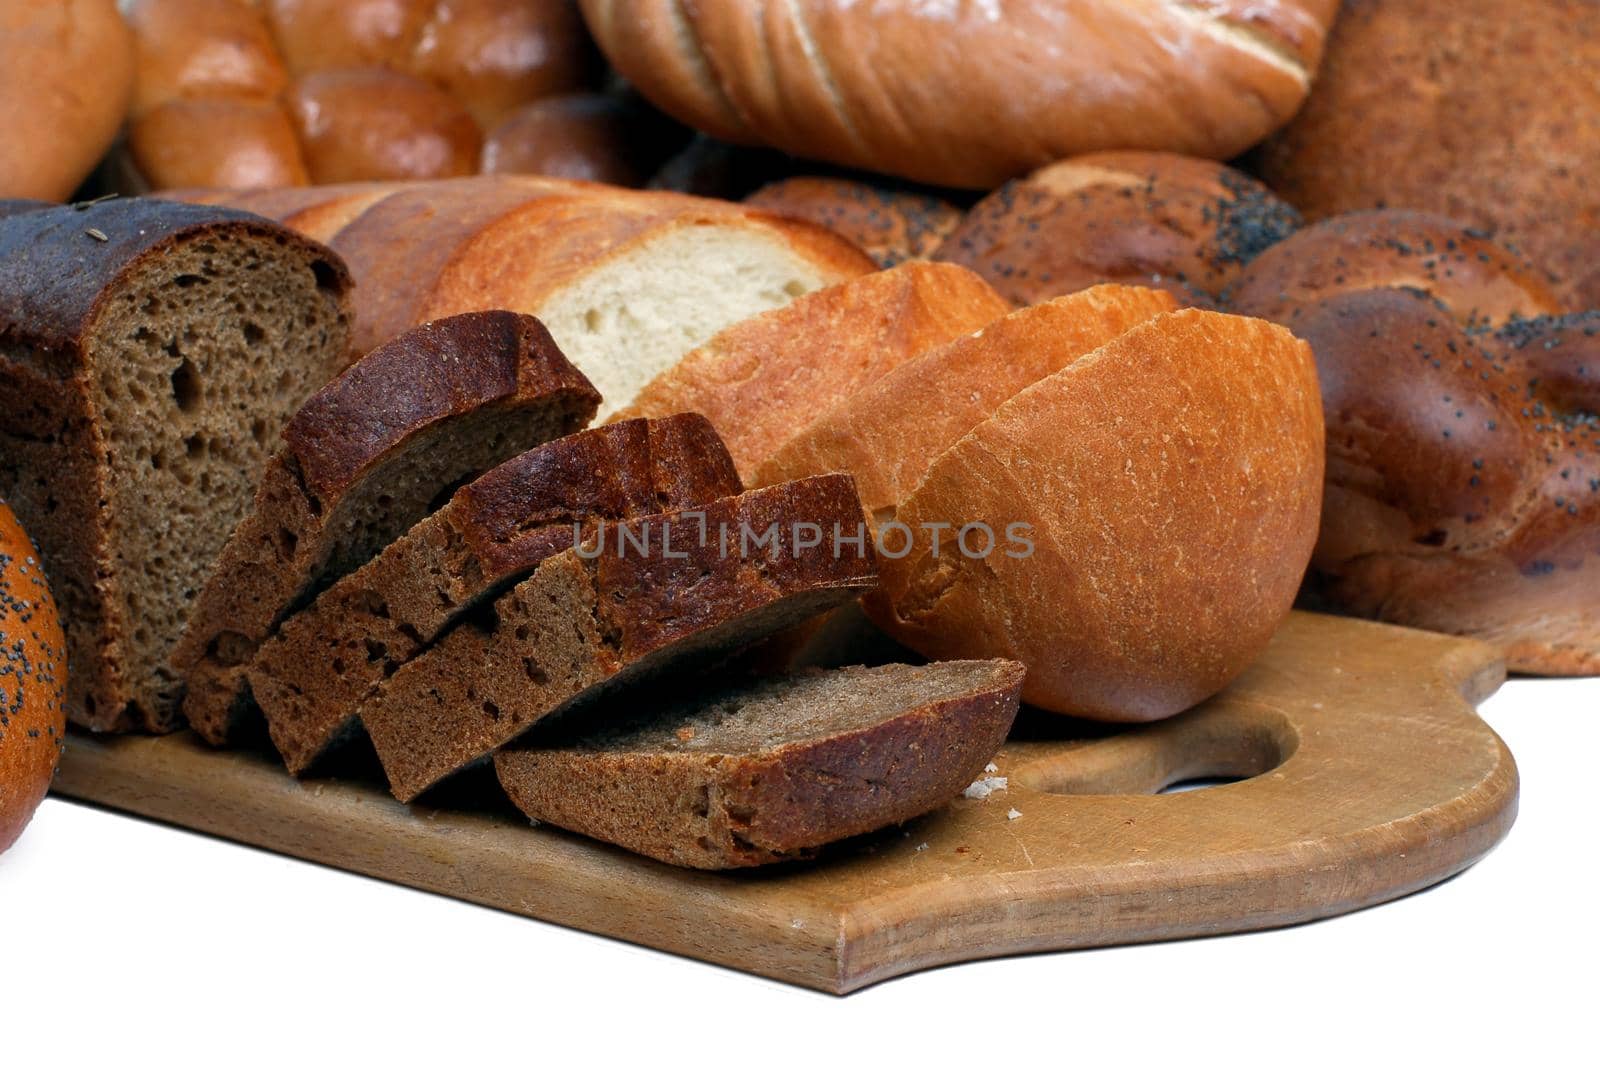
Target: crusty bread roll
1150, 219
970, 94
66, 72
1487, 111
1463, 449
250, 93
1170, 482
887, 433
889, 225
762, 380
33, 720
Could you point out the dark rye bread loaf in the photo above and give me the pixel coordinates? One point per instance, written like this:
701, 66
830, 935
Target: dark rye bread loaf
363, 460
331, 657
150, 353
767, 771
649, 595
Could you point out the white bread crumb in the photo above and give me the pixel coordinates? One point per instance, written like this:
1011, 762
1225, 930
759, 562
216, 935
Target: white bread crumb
922, 847
980, 789
1013, 814
991, 768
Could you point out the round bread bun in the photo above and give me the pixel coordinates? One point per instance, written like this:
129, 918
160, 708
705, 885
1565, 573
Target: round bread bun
1183, 225
66, 74
970, 95
1487, 111
1170, 482
367, 123
337, 90
890, 226
33, 679
1463, 442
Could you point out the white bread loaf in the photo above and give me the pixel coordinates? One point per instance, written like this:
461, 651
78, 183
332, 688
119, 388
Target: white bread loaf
627, 281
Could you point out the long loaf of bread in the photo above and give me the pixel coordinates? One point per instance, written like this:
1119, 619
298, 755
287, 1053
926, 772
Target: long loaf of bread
627, 281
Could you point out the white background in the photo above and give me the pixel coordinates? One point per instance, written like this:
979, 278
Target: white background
127, 944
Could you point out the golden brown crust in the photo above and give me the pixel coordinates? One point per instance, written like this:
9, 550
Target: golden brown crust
770, 803
33, 680
190, 49
867, 87
367, 124
886, 434
210, 142
889, 225
762, 380
1140, 218
1171, 481
1482, 110
66, 75
1463, 482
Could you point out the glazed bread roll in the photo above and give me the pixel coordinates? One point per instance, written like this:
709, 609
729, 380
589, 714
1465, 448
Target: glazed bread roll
970, 94
1463, 451
33, 679
1183, 225
1486, 111
889, 225
66, 72
253, 93
1169, 483
596, 137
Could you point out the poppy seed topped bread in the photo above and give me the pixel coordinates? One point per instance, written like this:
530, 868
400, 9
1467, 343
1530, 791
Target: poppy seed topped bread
652, 594
364, 460
890, 226
767, 770
331, 657
149, 355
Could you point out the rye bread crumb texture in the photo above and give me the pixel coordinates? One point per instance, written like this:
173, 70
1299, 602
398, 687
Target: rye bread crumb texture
767, 771
149, 356
327, 660
365, 458
649, 595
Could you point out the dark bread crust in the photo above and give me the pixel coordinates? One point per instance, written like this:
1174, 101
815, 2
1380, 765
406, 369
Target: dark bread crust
655, 596
403, 399
328, 659
55, 276
890, 226
1141, 218
1463, 486
60, 269
733, 806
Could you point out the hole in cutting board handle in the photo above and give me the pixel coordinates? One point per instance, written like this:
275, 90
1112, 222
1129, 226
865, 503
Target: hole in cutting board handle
1176, 756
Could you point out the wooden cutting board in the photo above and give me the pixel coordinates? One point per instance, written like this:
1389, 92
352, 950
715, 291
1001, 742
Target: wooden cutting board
1368, 776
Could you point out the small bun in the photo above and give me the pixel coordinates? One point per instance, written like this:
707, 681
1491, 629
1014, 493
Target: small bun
371, 124
217, 143
1183, 225
1463, 443
890, 226
33, 679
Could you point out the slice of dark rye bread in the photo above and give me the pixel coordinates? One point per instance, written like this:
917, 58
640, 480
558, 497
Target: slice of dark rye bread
648, 595
150, 353
764, 771
331, 657
363, 460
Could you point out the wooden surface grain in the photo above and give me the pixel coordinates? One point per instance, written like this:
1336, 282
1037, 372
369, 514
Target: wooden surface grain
1367, 775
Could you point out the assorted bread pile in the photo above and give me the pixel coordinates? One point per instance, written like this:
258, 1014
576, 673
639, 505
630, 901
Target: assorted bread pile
397, 461
432, 554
